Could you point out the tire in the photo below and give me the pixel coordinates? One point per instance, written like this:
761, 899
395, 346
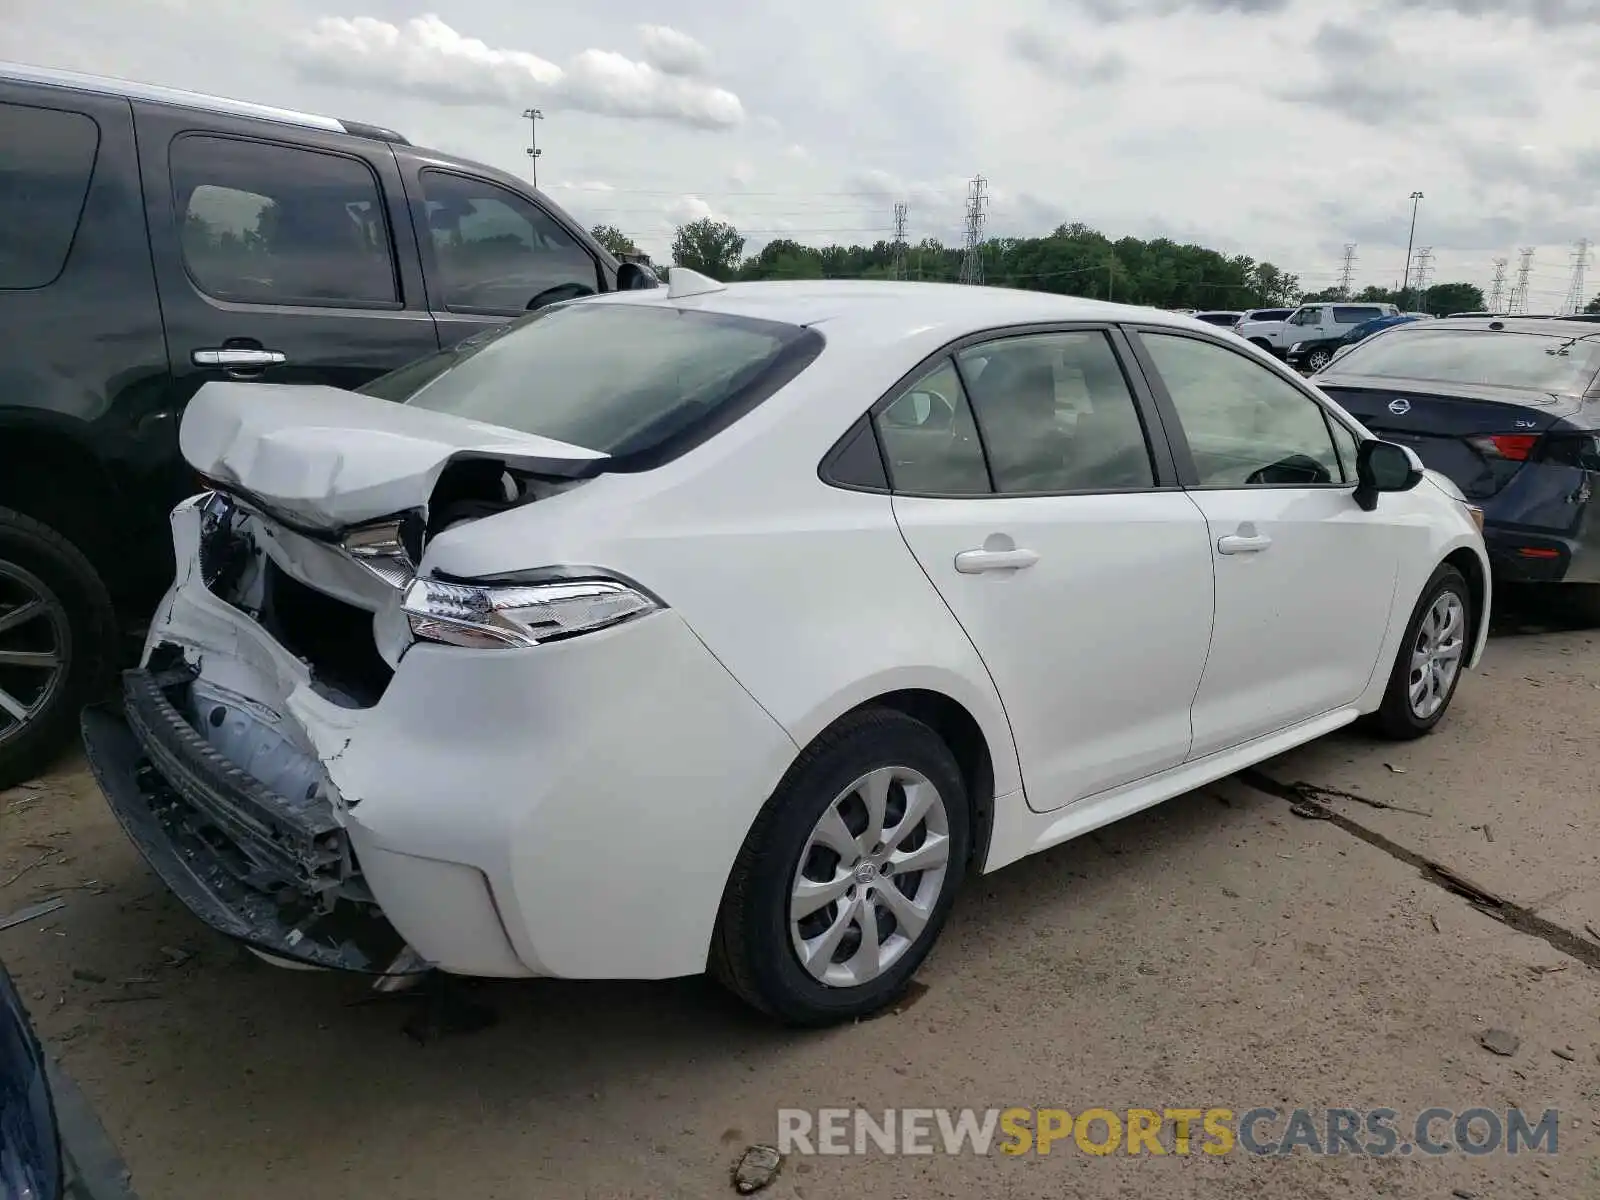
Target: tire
51, 602
1398, 718
1263, 344
1317, 359
754, 951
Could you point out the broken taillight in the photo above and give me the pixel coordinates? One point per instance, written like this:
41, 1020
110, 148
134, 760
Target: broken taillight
1513, 446
509, 613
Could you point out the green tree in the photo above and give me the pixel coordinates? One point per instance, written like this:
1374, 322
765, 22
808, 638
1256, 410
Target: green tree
710, 247
614, 240
1593, 306
1442, 299
1377, 295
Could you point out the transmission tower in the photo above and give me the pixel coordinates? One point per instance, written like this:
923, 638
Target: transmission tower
899, 242
977, 201
1580, 263
1422, 270
1497, 285
1347, 271
1519, 294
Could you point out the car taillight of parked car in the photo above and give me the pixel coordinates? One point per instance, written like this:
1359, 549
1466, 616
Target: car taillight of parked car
1515, 446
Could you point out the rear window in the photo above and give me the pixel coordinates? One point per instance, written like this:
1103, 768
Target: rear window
1350, 315
1218, 318
1483, 358
46, 161
641, 383
1269, 314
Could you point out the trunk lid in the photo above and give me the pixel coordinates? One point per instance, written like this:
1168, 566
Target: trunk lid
1479, 437
331, 458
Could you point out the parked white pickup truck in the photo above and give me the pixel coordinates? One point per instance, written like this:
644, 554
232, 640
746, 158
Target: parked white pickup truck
1309, 323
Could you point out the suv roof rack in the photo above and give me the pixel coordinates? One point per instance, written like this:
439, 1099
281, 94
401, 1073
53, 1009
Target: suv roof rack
24, 73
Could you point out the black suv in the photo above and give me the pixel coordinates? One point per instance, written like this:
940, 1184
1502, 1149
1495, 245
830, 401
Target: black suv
152, 240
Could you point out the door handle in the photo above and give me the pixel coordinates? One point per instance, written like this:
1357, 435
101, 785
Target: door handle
238, 358
975, 562
1242, 543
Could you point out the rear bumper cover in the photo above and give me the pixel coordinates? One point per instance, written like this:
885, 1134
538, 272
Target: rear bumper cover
1518, 556
245, 862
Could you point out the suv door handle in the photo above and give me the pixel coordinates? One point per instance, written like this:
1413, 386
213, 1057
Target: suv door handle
1238, 543
237, 358
975, 562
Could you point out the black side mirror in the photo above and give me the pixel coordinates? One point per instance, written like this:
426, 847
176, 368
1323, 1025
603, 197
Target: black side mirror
1384, 467
631, 277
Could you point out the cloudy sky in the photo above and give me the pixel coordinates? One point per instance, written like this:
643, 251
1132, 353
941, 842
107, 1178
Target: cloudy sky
1277, 128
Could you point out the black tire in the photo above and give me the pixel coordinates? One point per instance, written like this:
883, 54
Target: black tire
77, 611
1316, 359
1396, 718
752, 953
1263, 344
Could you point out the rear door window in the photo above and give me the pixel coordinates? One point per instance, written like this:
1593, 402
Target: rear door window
46, 161
261, 223
1346, 314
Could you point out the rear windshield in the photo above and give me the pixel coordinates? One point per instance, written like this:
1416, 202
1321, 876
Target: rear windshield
642, 383
1484, 358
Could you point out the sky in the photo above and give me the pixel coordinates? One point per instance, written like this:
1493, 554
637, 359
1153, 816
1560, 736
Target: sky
1282, 129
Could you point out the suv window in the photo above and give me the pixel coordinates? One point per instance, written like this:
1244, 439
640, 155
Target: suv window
1270, 314
930, 440
44, 177
640, 383
1351, 315
1246, 426
1306, 316
496, 251
1056, 414
268, 224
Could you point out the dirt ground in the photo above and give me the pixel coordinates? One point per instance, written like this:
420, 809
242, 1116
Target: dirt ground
1227, 949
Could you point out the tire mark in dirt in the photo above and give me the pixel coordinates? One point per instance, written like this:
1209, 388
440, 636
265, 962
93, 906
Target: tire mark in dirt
1514, 916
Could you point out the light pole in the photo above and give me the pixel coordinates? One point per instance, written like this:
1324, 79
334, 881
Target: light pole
533, 116
1411, 237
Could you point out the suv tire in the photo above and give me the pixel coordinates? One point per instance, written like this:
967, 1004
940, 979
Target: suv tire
52, 602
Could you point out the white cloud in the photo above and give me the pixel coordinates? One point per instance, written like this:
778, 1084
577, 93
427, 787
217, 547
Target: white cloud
426, 57
673, 52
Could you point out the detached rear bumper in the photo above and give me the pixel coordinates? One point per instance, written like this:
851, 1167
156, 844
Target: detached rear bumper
275, 873
1517, 556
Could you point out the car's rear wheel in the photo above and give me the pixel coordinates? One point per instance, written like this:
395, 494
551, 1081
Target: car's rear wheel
847, 876
1428, 667
57, 643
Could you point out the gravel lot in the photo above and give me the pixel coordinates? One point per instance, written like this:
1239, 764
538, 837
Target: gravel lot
1220, 950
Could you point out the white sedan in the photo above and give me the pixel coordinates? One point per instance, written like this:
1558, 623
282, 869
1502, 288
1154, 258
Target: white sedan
732, 627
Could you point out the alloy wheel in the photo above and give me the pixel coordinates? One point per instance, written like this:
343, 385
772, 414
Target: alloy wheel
1436, 654
1317, 359
35, 649
869, 876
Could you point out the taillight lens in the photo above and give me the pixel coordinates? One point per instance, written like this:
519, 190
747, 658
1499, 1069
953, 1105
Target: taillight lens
1515, 446
506, 615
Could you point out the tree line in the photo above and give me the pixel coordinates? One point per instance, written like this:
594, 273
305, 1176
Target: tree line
1072, 259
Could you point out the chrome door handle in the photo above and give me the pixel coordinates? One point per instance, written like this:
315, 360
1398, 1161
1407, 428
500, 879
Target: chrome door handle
238, 358
975, 562
1243, 543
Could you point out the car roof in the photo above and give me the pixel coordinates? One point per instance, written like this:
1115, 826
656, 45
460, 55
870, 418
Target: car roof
155, 93
885, 309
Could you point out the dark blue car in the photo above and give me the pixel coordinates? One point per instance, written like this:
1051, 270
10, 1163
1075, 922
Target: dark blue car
1316, 355
1509, 409
51, 1145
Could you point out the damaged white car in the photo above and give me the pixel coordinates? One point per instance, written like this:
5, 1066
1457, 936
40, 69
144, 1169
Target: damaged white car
731, 627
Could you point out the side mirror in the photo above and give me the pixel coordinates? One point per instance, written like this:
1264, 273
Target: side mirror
559, 293
1384, 467
631, 277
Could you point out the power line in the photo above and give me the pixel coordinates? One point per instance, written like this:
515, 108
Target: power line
972, 259
1497, 285
1347, 270
1580, 263
1519, 294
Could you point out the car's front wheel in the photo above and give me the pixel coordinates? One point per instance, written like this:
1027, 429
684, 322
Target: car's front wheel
848, 874
1318, 359
1428, 666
